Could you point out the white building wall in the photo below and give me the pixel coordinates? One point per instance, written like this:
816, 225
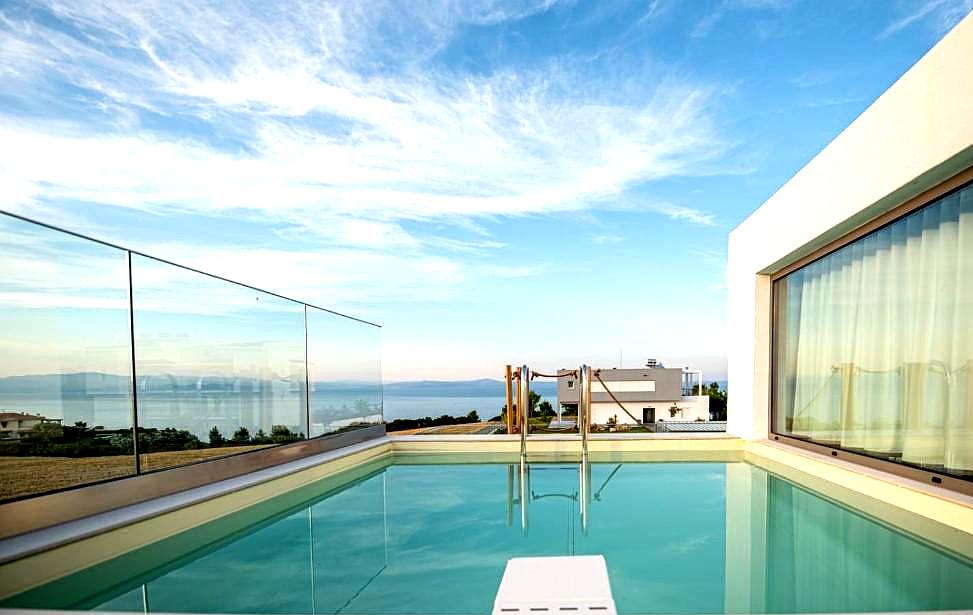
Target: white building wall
916, 135
693, 408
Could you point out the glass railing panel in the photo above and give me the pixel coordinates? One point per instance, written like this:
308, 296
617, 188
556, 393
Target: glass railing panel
65, 361
345, 371
220, 366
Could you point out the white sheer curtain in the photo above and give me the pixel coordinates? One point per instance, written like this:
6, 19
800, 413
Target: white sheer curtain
875, 341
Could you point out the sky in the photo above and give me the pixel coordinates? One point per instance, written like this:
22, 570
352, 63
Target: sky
543, 182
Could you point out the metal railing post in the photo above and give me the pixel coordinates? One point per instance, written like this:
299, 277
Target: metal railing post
135, 380
584, 406
524, 395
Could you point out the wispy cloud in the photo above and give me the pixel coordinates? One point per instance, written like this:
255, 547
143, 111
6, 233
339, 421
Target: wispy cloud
330, 127
814, 78
715, 260
832, 102
696, 216
706, 24
43, 268
601, 240
710, 257
941, 15
321, 138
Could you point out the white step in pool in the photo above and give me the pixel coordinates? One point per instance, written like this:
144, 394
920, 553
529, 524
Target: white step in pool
555, 585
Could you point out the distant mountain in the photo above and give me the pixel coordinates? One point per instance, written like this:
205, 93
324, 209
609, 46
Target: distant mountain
96, 382
483, 387
39, 384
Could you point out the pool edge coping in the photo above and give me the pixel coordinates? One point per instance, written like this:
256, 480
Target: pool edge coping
116, 530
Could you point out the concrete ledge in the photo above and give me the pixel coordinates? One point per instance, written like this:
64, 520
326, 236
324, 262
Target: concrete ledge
32, 559
940, 516
48, 510
546, 444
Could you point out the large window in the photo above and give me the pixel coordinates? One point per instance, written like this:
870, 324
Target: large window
873, 343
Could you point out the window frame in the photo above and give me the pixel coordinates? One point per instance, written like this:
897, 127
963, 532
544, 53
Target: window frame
959, 181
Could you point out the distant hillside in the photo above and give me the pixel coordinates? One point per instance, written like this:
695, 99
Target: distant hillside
40, 384
95, 382
484, 387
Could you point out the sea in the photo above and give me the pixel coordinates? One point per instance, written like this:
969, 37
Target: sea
417, 407
114, 411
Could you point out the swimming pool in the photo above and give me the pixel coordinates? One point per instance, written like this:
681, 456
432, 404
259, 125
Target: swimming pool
687, 537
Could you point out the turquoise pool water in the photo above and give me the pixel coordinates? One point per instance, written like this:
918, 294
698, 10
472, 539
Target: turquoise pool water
677, 537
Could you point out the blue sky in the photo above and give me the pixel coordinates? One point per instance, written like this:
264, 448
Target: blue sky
549, 182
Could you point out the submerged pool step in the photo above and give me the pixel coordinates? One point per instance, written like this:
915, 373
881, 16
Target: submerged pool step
564, 585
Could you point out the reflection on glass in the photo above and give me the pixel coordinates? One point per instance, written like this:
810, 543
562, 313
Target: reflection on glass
874, 342
345, 371
791, 551
344, 563
864, 565
65, 404
220, 366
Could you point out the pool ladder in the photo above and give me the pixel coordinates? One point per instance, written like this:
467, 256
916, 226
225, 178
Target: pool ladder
584, 408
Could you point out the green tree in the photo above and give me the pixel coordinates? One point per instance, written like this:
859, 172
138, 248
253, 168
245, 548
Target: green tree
535, 402
78, 431
46, 432
241, 436
473, 417
533, 398
215, 437
545, 409
281, 434
260, 437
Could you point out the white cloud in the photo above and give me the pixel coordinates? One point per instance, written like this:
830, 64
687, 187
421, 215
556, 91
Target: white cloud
46, 269
706, 24
814, 78
679, 212
941, 14
322, 138
329, 125
711, 257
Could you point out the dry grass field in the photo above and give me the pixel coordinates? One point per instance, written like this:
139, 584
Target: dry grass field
462, 429
21, 476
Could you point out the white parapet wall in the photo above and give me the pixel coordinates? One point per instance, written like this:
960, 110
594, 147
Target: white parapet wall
688, 409
918, 134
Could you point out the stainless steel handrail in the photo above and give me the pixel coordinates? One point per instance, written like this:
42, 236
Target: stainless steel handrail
584, 406
525, 410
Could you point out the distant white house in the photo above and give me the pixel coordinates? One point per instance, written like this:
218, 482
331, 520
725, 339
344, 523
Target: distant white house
649, 395
14, 425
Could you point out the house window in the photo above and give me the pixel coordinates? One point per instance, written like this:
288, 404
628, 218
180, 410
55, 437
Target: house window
873, 343
570, 384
